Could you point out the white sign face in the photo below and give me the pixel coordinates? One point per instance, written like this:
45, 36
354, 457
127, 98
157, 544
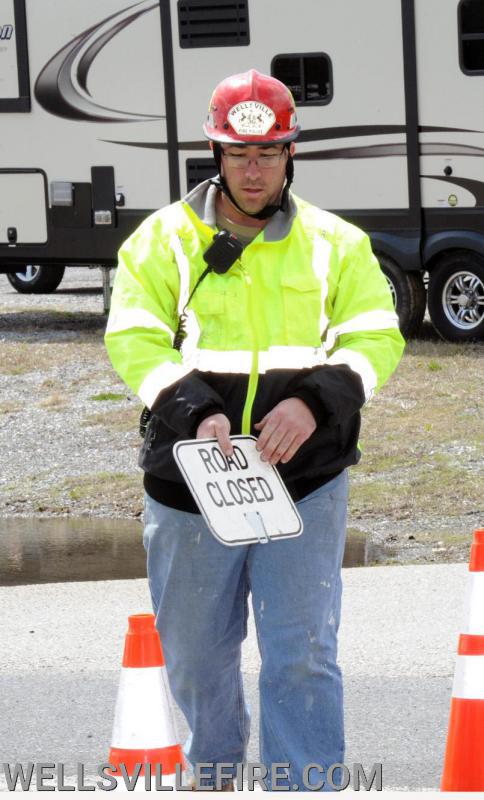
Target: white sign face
243, 499
8, 52
251, 118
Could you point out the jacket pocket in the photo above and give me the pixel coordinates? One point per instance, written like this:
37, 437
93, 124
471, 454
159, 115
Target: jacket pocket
211, 308
302, 309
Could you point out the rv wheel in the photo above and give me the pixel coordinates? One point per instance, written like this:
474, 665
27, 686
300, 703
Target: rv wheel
456, 296
408, 292
36, 279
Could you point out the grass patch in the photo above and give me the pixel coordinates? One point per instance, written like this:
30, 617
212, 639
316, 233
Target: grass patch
54, 402
20, 358
431, 488
116, 489
125, 420
8, 407
105, 396
423, 445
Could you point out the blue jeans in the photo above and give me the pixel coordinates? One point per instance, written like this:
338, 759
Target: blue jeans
199, 590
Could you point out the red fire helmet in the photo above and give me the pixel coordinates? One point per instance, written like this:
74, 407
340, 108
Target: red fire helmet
251, 108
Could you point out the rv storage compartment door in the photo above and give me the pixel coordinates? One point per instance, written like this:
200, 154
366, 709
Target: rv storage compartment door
22, 206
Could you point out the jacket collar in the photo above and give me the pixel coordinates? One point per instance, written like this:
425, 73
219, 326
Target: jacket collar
202, 202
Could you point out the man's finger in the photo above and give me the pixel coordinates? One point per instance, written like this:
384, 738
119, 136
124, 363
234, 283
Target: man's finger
292, 450
282, 448
266, 435
223, 439
274, 443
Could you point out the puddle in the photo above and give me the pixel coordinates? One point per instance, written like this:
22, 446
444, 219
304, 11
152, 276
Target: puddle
57, 550
61, 550
360, 552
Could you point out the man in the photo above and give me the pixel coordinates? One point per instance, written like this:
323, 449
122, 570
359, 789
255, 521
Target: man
287, 345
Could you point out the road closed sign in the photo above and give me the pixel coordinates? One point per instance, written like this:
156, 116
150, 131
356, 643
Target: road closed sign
242, 499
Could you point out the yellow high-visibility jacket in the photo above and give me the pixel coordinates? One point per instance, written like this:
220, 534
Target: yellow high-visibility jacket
305, 312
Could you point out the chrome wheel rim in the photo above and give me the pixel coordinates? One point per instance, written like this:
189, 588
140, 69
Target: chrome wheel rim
31, 271
463, 300
393, 291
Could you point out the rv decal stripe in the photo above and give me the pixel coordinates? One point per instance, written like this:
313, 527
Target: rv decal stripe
449, 149
372, 151
437, 129
317, 135
476, 188
359, 364
347, 131
147, 145
128, 318
369, 321
160, 378
61, 87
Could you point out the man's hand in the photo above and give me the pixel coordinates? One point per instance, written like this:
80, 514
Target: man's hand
217, 426
284, 430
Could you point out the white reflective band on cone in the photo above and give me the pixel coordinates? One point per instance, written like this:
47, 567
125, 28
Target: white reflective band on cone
369, 321
143, 718
469, 678
160, 378
360, 364
127, 318
474, 605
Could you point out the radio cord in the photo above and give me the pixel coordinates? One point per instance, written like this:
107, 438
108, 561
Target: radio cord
178, 340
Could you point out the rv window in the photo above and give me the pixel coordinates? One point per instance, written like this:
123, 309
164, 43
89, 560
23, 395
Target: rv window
471, 29
307, 75
198, 170
14, 70
213, 23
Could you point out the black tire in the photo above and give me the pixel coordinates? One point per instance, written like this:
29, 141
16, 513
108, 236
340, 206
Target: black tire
36, 279
456, 296
408, 292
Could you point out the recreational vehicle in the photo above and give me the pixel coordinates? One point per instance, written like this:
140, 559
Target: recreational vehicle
101, 106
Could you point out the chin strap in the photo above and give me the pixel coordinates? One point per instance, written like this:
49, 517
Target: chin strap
267, 211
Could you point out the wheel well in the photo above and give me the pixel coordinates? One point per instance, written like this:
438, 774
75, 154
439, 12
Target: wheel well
430, 264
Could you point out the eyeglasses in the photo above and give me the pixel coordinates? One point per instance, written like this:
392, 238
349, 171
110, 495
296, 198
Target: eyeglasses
264, 161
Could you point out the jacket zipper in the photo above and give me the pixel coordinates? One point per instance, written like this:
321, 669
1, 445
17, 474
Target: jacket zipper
254, 371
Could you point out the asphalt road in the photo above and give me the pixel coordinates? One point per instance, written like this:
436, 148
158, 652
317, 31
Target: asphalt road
62, 646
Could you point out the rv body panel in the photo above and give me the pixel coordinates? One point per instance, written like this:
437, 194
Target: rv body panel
97, 99
343, 161
107, 100
451, 120
23, 217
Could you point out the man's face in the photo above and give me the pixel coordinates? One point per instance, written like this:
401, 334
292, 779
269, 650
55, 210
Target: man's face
255, 174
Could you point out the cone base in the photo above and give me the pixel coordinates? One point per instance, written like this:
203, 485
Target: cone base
167, 757
464, 755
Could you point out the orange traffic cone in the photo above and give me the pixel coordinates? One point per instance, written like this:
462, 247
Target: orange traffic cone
464, 755
144, 730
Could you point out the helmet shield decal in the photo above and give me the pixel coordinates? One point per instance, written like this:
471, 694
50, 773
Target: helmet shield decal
251, 118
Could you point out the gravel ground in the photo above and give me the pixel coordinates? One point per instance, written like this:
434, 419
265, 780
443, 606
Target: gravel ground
46, 438
69, 440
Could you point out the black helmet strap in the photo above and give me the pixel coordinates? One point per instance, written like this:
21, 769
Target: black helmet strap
269, 210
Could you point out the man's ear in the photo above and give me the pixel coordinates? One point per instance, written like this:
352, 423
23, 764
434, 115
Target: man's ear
292, 148
211, 145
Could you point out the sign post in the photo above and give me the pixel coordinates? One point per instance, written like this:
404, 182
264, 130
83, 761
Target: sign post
242, 499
